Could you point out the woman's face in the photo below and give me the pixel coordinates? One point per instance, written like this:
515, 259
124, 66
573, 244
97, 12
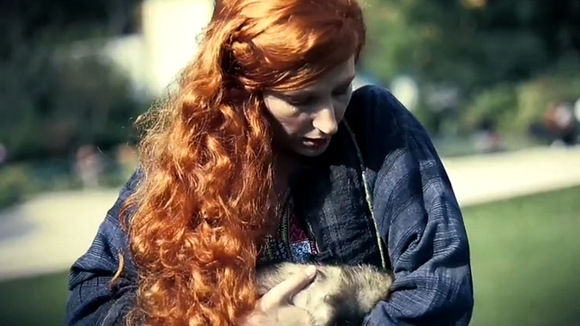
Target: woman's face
306, 119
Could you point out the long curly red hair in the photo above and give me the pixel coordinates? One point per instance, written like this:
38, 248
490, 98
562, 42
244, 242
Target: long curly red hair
207, 193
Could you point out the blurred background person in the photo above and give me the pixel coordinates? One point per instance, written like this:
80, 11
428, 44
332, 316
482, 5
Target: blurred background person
89, 166
561, 123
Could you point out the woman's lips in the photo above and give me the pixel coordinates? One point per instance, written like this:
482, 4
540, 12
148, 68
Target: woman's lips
316, 142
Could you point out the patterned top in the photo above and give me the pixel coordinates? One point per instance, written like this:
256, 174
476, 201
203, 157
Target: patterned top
291, 243
302, 247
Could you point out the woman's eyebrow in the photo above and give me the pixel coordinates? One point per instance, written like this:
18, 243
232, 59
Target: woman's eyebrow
314, 92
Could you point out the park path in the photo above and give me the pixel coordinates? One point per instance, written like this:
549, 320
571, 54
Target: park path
47, 233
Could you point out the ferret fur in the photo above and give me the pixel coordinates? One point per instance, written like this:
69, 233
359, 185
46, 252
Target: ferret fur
339, 295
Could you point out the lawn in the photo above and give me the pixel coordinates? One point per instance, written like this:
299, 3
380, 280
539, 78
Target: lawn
526, 265
37, 301
526, 260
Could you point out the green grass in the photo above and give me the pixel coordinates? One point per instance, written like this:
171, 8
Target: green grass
526, 260
526, 265
37, 301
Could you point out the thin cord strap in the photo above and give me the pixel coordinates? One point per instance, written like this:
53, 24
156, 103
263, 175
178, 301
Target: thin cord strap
368, 198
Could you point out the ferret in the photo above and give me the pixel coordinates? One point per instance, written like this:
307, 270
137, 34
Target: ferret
339, 295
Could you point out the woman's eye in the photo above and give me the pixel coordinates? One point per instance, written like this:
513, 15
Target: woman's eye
300, 101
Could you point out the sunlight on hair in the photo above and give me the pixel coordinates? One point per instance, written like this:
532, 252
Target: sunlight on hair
207, 196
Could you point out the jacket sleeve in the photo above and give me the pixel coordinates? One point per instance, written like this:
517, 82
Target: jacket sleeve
93, 299
419, 217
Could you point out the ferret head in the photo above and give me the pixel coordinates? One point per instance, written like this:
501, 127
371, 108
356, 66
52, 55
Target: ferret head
339, 295
362, 287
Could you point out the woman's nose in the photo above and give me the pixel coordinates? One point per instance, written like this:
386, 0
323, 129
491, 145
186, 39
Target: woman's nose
325, 121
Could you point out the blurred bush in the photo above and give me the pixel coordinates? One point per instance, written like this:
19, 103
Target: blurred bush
513, 108
497, 105
19, 181
535, 95
56, 101
14, 184
22, 180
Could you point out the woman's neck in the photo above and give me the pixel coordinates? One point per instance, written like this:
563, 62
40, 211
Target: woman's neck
284, 166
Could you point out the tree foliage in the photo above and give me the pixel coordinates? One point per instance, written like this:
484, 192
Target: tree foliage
53, 99
452, 41
489, 49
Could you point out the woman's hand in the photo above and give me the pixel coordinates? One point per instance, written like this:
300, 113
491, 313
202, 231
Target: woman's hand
274, 307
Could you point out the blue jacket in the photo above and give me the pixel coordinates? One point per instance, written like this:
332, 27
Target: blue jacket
378, 195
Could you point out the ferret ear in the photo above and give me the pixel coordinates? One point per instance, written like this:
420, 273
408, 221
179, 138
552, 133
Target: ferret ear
322, 274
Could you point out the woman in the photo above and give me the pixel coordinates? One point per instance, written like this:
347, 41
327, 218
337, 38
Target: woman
266, 154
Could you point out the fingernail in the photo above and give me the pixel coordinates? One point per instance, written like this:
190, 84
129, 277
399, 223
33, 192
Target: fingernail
310, 271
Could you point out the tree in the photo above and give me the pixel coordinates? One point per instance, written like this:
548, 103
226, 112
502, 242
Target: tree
473, 43
53, 102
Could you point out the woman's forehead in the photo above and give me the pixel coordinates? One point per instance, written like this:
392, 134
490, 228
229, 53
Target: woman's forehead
341, 75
